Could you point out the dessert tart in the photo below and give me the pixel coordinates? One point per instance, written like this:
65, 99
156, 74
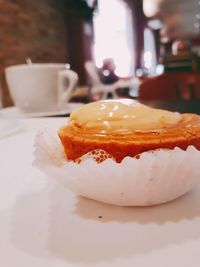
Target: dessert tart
147, 156
127, 128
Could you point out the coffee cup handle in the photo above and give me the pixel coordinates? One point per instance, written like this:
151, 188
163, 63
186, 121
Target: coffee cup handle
67, 81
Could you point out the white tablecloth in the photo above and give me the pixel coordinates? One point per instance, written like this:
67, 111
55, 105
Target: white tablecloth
44, 225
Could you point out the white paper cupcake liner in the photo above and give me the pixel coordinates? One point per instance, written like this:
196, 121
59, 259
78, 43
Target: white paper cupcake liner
156, 177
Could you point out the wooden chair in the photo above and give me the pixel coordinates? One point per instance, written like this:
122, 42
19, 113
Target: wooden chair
171, 86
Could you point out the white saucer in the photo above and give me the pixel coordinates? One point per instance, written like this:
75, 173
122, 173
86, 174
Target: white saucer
14, 112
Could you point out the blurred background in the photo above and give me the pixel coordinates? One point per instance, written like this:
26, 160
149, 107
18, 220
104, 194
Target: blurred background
140, 40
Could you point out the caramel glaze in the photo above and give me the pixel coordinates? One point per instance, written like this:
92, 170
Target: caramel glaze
121, 116
77, 141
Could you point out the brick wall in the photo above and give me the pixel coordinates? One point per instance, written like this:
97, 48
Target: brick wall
29, 28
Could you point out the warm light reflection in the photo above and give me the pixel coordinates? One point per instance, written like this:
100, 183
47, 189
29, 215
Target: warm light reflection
113, 36
151, 7
149, 51
148, 59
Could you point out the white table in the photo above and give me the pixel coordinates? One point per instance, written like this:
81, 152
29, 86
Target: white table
44, 225
15, 113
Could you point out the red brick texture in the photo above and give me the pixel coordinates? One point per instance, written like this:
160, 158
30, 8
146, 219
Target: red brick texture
34, 29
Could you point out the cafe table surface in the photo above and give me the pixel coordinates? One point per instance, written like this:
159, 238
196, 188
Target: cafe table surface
44, 224
190, 106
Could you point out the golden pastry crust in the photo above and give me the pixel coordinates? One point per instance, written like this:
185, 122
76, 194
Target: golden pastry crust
79, 141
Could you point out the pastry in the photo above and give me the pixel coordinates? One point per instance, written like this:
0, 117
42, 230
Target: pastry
126, 128
156, 153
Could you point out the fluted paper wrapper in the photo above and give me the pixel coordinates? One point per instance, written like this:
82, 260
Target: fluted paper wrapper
155, 177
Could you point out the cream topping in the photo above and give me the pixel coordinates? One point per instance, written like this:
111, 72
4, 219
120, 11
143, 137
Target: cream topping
122, 116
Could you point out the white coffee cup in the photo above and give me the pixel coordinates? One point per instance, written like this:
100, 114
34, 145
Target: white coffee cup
40, 87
